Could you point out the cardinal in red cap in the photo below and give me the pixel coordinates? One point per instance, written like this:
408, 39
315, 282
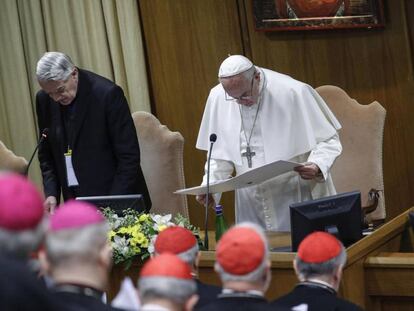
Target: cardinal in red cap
78, 256
318, 264
22, 218
182, 242
166, 283
244, 269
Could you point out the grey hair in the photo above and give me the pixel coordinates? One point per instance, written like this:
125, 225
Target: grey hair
248, 74
189, 256
76, 245
255, 275
159, 287
21, 243
307, 270
54, 66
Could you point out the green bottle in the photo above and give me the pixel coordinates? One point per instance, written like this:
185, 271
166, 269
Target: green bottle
221, 225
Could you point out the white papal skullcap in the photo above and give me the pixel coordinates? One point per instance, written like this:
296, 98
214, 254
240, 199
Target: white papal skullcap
234, 65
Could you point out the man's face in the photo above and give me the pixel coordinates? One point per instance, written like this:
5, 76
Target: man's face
241, 90
63, 92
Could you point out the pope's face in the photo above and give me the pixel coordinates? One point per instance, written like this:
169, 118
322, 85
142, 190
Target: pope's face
241, 90
62, 92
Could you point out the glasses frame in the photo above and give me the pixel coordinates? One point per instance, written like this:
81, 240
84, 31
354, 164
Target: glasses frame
229, 98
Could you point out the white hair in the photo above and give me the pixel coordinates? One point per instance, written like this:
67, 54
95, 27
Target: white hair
54, 66
159, 287
189, 256
255, 275
21, 243
307, 270
76, 245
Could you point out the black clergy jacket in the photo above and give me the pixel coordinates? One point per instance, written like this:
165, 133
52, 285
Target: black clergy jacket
102, 137
206, 294
317, 298
239, 302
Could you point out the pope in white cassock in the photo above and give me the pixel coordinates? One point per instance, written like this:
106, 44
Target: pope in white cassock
261, 116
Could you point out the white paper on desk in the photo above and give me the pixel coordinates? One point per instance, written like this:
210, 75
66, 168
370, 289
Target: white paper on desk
247, 179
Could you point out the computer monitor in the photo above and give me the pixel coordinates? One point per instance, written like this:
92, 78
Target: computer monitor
339, 215
118, 203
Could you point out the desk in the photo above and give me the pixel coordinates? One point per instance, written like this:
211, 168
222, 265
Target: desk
378, 274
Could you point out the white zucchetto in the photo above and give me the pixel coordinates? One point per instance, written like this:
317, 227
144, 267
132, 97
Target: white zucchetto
233, 65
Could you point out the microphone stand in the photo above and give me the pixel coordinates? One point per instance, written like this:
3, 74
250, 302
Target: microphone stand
213, 138
42, 138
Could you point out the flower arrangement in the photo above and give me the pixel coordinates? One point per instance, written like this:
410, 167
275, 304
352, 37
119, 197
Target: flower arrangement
133, 235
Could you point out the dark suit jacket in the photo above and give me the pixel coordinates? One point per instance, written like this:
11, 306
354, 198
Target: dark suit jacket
206, 293
239, 304
78, 302
317, 299
103, 139
20, 290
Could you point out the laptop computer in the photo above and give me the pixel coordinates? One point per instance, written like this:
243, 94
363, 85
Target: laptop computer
118, 203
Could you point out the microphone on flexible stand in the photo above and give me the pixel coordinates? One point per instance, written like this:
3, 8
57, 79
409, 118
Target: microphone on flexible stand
213, 138
43, 136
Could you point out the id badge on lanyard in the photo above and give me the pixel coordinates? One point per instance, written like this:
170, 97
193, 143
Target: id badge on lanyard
70, 172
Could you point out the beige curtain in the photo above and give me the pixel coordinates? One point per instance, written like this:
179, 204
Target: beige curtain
103, 36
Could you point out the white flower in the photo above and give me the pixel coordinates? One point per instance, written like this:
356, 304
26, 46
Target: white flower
151, 247
161, 221
120, 244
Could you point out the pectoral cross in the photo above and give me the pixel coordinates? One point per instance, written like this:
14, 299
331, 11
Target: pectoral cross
249, 154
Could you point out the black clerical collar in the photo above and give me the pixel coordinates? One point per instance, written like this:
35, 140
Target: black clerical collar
318, 285
228, 293
78, 290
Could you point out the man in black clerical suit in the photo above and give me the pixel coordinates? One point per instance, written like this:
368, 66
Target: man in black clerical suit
244, 268
318, 265
91, 147
21, 291
182, 242
78, 257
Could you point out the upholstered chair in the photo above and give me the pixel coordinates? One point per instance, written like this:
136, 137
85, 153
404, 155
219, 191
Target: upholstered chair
162, 164
11, 162
359, 167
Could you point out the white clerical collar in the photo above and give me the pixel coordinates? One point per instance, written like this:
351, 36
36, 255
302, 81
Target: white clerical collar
153, 307
252, 292
319, 283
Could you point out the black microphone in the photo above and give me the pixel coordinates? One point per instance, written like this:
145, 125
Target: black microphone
43, 136
213, 138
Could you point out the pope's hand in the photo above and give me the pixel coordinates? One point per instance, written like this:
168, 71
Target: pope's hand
308, 170
50, 204
201, 198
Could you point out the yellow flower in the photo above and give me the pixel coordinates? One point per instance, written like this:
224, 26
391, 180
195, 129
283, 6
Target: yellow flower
137, 238
135, 229
136, 249
161, 228
145, 243
125, 230
144, 217
111, 234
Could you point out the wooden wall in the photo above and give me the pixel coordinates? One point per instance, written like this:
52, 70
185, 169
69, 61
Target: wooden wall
186, 40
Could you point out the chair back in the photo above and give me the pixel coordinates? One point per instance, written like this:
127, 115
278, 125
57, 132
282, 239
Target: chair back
11, 162
359, 167
162, 164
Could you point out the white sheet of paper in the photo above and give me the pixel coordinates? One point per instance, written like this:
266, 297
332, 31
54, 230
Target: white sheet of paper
70, 173
247, 179
127, 297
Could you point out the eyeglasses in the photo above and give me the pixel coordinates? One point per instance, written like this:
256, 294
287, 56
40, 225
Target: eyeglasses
242, 97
